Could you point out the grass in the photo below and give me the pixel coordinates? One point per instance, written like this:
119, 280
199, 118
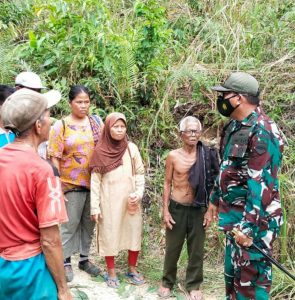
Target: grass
283, 285
78, 294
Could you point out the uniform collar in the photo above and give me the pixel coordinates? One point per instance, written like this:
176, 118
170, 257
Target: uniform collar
251, 119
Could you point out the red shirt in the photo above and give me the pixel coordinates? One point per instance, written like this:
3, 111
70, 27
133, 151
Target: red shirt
30, 198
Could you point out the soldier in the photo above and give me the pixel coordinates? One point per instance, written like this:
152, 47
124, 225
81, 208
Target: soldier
246, 192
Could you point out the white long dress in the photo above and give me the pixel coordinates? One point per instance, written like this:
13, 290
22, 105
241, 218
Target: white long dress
118, 230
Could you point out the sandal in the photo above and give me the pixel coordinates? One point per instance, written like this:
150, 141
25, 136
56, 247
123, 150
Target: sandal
111, 282
89, 268
69, 273
135, 278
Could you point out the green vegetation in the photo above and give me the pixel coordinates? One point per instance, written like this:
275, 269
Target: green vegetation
155, 61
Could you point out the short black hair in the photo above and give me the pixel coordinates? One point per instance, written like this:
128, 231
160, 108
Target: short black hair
76, 90
5, 92
255, 100
25, 87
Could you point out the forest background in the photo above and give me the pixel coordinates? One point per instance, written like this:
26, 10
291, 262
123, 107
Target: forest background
155, 61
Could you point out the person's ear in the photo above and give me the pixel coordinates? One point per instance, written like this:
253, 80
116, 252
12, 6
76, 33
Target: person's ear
38, 126
242, 99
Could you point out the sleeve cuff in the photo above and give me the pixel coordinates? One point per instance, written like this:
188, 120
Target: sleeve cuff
248, 231
95, 211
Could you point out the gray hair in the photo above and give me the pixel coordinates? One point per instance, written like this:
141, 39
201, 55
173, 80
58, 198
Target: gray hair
189, 119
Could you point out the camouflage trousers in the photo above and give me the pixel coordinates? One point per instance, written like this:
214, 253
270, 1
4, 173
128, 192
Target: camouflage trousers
245, 279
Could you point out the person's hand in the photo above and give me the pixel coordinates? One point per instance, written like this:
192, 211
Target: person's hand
242, 239
208, 219
132, 203
96, 218
133, 198
168, 220
214, 210
211, 215
64, 295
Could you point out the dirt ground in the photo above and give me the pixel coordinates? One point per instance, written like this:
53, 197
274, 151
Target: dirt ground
86, 287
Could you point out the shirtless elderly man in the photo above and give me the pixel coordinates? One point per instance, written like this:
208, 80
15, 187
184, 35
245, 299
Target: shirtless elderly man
185, 201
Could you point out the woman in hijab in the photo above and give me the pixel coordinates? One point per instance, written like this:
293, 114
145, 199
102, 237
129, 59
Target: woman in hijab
117, 185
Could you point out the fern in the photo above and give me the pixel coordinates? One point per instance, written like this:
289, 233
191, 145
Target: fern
7, 62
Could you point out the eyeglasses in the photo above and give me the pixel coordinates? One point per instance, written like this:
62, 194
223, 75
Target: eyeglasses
233, 96
191, 132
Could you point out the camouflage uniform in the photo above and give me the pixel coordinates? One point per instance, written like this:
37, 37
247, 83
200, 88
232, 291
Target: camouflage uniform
247, 195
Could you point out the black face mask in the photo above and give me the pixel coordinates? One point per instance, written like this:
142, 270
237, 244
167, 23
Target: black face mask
224, 106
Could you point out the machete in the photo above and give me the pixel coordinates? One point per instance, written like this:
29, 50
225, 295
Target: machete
271, 259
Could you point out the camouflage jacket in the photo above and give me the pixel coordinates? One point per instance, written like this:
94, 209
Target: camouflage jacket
246, 189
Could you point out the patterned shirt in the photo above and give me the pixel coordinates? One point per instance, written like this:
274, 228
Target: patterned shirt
73, 145
247, 190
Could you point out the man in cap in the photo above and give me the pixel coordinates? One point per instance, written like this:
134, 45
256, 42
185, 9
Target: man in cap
32, 204
29, 80
32, 81
246, 192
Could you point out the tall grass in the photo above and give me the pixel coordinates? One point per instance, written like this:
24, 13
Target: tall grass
283, 286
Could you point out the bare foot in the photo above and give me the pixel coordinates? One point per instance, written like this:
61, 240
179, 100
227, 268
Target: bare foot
196, 295
164, 292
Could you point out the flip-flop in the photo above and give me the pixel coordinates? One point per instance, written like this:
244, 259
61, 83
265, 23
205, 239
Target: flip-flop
89, 268
135, 278
111, 282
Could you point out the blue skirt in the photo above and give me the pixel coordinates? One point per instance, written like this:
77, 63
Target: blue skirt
26, 279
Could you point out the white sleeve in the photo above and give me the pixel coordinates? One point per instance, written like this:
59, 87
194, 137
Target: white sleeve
95, 193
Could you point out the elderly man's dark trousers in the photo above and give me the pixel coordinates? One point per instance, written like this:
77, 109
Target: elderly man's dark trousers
189, 227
